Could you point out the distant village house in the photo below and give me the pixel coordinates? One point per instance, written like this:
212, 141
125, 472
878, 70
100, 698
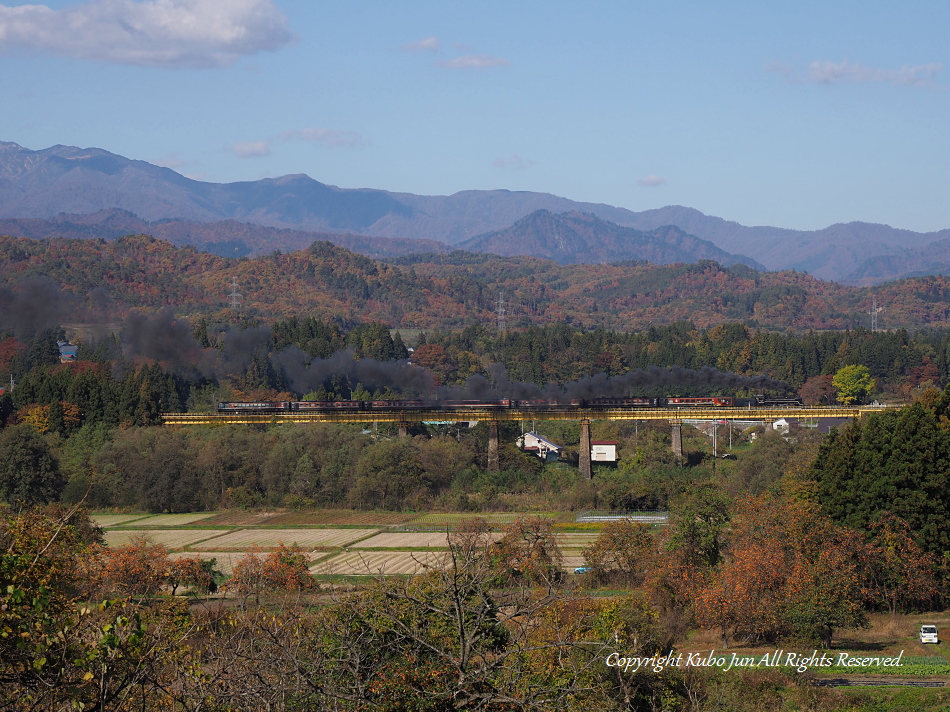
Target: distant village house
540, 446
67, 351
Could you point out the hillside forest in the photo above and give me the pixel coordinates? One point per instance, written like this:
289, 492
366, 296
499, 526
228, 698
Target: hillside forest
799, 539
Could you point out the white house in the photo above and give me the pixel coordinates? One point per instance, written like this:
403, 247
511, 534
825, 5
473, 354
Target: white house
603, 451
540, 446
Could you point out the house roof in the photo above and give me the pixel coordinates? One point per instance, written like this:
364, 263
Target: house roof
603, 442
545, 441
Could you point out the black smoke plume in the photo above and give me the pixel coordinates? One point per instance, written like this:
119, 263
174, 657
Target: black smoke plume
162, 337
639, 382
33, 305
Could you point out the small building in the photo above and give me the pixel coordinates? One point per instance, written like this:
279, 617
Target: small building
603, 451
540, 446
67, 351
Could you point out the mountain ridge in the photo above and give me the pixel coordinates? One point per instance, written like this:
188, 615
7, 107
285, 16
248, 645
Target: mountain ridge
67, 179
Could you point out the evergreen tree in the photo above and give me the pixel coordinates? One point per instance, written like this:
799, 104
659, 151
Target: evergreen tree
29, 474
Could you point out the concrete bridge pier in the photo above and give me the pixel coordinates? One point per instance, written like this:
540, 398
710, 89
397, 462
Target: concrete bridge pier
403, 430
583, 451
494, 461
677, 439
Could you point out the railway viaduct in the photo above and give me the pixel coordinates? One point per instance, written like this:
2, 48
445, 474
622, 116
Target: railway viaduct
493, 416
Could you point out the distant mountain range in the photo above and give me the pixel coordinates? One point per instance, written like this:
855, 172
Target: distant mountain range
227, 238
62, 183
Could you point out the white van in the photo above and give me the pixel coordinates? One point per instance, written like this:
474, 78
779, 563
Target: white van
928, 634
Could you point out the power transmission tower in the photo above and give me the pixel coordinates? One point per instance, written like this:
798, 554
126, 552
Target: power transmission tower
500, 313
875, 309
235, 297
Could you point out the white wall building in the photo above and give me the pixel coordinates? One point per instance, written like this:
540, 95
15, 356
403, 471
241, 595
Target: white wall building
603, 451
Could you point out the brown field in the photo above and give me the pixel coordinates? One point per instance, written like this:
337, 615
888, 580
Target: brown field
173, 520
111, 520
572, 540
572, 562
243, 539
342, 517
399, 540
328, 517
316, 531
364, 563
169, 538
242, 519
452, 519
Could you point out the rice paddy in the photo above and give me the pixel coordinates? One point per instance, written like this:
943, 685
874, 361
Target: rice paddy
340, 542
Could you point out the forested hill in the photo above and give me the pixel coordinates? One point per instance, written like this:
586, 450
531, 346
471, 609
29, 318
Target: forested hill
577, 237
430, 291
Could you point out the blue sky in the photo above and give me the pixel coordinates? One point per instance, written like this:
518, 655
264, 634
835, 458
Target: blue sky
796, 114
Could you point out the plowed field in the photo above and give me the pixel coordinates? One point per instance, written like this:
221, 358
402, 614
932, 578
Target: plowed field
111, 520
173, 520
363, 563
269, 538
169, 538
399, 540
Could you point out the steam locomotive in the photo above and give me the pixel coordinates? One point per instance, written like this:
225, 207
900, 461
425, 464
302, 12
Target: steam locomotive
759, 401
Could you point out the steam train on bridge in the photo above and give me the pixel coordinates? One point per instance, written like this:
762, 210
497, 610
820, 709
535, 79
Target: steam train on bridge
759, 401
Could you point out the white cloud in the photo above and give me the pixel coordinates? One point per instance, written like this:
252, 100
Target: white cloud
825, 72
251, 149
513, 162
651, 181
429, 44
838, 72
327, 137
474, 61
154, 33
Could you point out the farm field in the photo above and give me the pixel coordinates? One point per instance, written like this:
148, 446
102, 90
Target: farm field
111, 520
330, 517
571, 540
363, 563
169, 538
173, 520
243, 539
343, 542
399, 540
499, 518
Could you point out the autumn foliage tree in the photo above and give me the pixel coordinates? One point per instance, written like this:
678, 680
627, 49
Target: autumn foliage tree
285, 568
787, 570
192, 572
900, 575
138, 569
528, 549
622, 552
